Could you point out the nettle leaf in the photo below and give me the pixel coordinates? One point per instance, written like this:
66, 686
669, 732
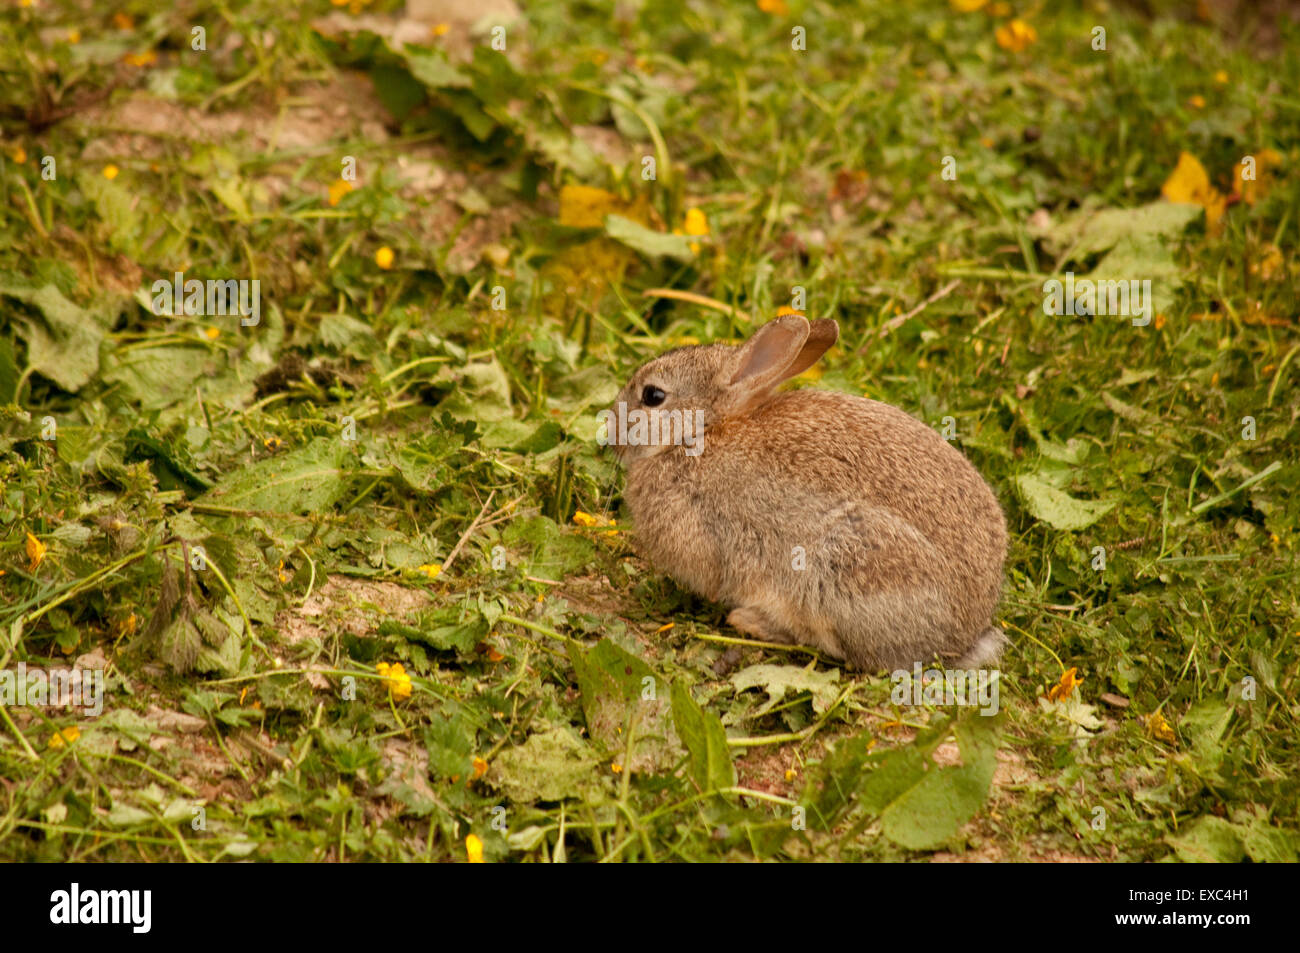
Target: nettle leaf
63, 343
781, 680
922, 805
622, 694
450, 739
1088, 232
709, 760
1208, 840
1057, 508
550, 766
834, 781
180, 627
553, 549
310, 479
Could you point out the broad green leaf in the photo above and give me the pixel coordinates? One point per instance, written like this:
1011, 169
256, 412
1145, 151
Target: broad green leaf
1266, 844
550, 766
310, 479
1057, 508
1208, 840
621, 693
781, 680
928, 808
1090, 231
63, 344
709, 759
646, 240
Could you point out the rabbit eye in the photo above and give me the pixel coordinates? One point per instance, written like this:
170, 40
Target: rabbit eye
652, 396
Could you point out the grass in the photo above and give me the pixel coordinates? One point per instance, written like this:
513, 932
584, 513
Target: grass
243, 524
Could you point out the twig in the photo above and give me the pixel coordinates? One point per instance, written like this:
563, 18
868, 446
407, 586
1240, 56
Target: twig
897, 322
701, 300
446, 563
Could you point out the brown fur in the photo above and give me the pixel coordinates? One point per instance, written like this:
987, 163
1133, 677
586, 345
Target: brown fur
902, 540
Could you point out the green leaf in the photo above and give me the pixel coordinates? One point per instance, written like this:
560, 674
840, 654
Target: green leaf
1266, 844
927, 805
63, 345
781, 680
550, 766
433, 69
1208, 840
1088, 232
450, 739
1057, 508
622, 694
310, 479
646, 240
709, 759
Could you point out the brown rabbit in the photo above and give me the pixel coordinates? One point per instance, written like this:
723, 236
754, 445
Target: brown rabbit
821, 519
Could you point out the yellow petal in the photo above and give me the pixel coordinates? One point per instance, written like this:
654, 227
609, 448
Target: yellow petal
473, 849
35, 551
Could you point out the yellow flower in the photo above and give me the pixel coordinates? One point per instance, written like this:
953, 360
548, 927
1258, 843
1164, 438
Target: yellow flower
999, 9
616, 768
1190, 183
494, 654
696, 224
1065, 687
778, 8
1016, 35
440, 29
212, 333
1196, 102
1160, 728
147, 58
384, 258
966, 6
338, 189
1270, 263
791, 774
35, 552
74, 36
1252, 190
281, 574
19, 154
110, 172
65, 737
473, 849
272, 443
786, 309
1221, 77
395, 677
430, 570
1160, 321
585, 519
480, 769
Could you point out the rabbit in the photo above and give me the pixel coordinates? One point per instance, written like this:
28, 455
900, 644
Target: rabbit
819, 518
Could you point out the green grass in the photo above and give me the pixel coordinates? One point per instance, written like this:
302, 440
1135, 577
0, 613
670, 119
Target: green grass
469, 375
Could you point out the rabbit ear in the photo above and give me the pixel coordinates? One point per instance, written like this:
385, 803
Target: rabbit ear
821, 335
778, 351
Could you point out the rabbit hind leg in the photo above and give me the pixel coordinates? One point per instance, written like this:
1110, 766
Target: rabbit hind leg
763, 625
